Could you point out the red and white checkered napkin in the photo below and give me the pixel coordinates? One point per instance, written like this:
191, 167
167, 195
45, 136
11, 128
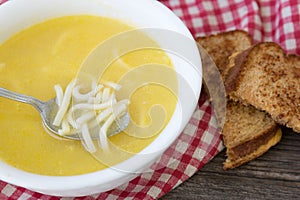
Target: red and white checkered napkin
265, 20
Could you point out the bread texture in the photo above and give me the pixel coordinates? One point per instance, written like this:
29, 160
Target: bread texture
221, 46
215, 50
267, 78
247, 132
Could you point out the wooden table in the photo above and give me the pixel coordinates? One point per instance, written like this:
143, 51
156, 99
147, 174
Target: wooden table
275, 175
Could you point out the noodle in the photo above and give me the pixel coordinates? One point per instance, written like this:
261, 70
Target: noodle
98, 105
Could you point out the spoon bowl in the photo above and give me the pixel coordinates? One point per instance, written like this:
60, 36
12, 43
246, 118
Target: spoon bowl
48, 112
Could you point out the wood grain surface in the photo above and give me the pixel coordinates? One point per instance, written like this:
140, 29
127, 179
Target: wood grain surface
275, 175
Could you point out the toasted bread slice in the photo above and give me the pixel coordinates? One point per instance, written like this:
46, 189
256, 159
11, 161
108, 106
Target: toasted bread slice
267, 78
222, 45
247, 132
214, 54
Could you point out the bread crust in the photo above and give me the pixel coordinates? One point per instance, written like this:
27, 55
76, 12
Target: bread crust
267, 78
250, 146
233, 70
238, 161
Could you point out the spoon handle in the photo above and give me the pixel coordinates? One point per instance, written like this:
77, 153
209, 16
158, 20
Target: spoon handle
21, 98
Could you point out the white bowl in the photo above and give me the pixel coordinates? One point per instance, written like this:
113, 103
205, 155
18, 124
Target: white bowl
16, 15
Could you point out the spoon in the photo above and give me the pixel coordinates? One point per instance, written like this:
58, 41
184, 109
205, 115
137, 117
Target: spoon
49, 109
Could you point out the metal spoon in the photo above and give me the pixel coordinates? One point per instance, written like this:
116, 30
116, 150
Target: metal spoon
49, 109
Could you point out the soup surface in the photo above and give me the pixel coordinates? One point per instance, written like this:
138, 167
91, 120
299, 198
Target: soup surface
49, 53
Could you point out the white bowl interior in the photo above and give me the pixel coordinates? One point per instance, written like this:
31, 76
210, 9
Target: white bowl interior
16, 15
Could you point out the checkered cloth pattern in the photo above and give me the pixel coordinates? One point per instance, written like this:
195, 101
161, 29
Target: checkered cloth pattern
265, 20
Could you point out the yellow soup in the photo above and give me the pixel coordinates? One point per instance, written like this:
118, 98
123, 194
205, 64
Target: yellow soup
49, 53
